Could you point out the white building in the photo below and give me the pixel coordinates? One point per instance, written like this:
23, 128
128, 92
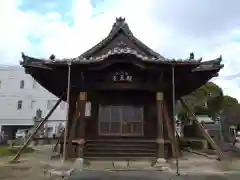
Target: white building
21, 96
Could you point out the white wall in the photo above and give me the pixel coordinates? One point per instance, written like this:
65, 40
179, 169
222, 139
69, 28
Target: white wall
10, 94
204, 118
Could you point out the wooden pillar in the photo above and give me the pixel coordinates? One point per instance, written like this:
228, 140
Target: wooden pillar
71, 124
160, 129
80, 132
170, 125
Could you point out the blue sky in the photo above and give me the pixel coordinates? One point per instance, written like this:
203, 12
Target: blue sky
45, 6
174, 28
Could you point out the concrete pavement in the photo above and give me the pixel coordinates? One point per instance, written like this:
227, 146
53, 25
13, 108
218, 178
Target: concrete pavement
151, 175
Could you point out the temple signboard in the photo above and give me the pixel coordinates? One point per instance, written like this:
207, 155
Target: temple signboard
122, 76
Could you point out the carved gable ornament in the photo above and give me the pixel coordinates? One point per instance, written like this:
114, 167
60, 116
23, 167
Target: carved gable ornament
121, 44
120, 47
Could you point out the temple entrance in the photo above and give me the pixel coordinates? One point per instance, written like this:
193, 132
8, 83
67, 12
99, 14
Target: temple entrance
120, 120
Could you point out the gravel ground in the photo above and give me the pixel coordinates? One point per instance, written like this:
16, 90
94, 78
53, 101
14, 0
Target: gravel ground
33, 166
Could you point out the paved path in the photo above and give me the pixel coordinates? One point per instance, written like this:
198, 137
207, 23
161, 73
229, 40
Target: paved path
145, 175
33, 165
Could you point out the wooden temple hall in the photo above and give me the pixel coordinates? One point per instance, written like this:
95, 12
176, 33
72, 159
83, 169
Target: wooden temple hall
120, 96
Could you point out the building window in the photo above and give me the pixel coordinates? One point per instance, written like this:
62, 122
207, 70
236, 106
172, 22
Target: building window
33, 102
120, 119
34, 84
51, 103
62, 105
19, 104
22, 84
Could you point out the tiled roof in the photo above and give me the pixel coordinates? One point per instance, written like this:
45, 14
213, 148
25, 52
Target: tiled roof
118, 26
121, 48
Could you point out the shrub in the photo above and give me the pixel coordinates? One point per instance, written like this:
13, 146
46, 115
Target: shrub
9, 151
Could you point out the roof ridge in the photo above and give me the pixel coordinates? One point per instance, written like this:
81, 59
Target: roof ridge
120, 24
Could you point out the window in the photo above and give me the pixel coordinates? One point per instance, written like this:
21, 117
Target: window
19, 104
51, 103
115, 113
0, 84
22, 84
104, 113
32, 105
120, 119
121, 113
34, 84
62, 105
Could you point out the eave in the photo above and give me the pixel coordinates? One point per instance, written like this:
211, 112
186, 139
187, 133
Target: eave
31, 61
195, 80
49, 77
50, 80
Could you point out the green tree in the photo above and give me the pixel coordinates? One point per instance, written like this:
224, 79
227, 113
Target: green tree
229, 101
208, 99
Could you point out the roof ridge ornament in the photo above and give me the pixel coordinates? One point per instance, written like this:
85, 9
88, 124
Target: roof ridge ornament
23, 55
120, 24
220, 58
52, 57
192, 56
120, 20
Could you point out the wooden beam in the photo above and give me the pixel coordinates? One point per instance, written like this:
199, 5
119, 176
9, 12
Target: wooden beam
80, 134
73, 127
72, 130
160, 129
58, 141
170, 131
204, 132
70, 119
37, 128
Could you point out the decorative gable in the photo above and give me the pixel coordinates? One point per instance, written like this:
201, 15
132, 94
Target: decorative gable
120, 41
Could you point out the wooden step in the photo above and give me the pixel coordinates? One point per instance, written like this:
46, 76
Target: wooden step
120, 145
124, 140
117, 158
132, 148
121, 154
120, 149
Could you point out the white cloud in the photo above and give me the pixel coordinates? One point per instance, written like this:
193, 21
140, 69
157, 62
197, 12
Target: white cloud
164, 27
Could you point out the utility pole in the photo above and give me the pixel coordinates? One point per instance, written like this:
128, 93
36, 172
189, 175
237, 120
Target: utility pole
220, 126
67, 111
174, 113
